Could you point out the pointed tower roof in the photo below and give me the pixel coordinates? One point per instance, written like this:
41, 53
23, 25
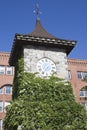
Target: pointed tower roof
39, 31
38, 37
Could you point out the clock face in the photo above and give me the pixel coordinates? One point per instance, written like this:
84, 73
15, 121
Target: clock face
46, 67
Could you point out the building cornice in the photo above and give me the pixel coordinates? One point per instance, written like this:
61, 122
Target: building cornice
77, 61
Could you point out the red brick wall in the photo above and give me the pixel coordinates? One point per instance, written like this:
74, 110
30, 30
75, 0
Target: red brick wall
4, 80
75, 65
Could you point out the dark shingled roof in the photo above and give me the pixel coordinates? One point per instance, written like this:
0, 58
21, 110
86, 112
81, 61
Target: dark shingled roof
38, 37
40, 31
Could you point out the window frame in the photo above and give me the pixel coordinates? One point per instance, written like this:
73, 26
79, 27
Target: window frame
1, 105
69, 74
7, 70
0, 124
2, 90
83, 93
8, 103
2, 69
10, 92
79, 75
84, 75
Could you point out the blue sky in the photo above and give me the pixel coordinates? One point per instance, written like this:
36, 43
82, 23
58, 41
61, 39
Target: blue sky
66, 19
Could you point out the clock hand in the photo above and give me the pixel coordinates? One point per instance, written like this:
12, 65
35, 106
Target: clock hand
47, 68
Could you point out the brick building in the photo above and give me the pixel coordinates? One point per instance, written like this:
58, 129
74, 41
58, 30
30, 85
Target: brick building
77, 73
6, 80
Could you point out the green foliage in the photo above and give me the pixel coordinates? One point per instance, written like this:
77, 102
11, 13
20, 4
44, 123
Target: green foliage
18, 77
44, 104
85, 79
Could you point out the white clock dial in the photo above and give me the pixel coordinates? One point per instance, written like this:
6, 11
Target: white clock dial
46, 67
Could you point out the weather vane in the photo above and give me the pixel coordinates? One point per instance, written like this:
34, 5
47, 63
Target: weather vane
37, 11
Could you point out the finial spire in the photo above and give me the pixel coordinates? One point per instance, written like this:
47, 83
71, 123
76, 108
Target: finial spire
37, 11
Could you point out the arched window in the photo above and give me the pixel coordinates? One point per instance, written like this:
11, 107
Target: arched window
6, 89
83, 92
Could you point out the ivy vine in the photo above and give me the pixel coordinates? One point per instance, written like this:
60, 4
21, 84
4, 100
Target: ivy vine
43, 104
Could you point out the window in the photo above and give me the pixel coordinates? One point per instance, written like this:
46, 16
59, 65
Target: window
1, 90
2, 69
79, 75
85, 75
8, 89
1, 106
0, 124
69, 74
6, 104
82, 94
9, 70
86, 93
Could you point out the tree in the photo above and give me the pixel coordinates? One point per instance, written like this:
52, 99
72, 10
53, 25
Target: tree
44, 104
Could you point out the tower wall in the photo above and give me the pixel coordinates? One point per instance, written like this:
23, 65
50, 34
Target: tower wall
33, 54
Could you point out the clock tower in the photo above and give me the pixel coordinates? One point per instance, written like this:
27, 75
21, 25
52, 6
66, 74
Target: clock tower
43, 53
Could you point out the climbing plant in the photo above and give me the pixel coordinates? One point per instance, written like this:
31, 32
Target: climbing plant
44, 104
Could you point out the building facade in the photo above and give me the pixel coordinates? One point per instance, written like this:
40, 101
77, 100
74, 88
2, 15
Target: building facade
6, 81
77, 70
